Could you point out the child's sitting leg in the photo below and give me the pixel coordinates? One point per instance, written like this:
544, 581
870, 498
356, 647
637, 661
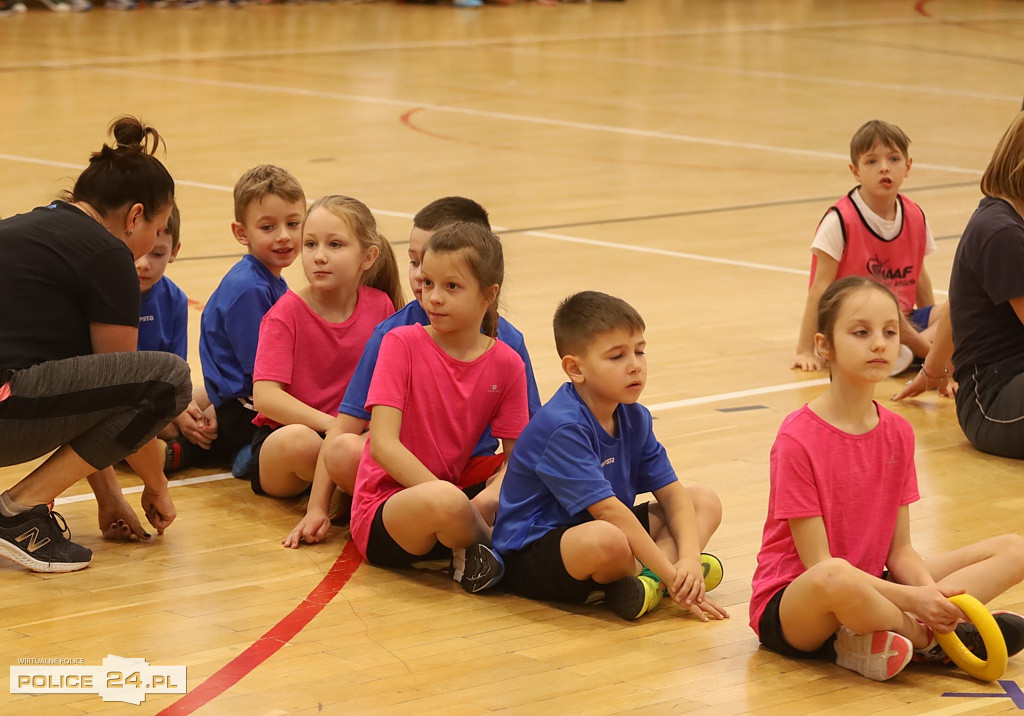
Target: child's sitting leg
985, 570
341, 454
283, 465
833, 594
421, 516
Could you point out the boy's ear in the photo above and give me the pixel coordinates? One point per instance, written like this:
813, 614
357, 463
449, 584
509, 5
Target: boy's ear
571, 367
174, 253
853, 170
238, 231
909, 162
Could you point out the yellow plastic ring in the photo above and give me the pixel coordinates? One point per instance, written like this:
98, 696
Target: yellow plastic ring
989, 669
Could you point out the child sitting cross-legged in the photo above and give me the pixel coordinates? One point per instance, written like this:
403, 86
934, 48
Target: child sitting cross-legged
566, 524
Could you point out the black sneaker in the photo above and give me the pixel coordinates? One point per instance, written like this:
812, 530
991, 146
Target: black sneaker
1010, 624
482, 570
40, 540
632, 597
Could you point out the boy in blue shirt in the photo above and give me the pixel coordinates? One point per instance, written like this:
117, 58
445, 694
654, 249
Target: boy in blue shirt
567, 525
343, 444
269, 208
163, 326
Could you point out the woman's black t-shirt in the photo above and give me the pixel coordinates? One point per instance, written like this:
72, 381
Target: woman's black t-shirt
60, 270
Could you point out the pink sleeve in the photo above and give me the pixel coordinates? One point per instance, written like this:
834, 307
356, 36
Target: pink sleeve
796, 492
390, 383
910, 490
513, 411
275, 350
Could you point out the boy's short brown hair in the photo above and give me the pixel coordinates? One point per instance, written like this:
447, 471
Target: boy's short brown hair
265, 180
449, 210
870, 133
174, 225
583, 316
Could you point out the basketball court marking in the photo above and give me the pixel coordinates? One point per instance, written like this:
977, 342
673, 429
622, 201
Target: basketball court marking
498, 229
511, 117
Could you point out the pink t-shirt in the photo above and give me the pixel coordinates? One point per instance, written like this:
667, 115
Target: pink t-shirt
445, 403
855, 483
313, 358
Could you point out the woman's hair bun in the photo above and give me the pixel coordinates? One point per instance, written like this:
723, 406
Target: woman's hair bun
132, 134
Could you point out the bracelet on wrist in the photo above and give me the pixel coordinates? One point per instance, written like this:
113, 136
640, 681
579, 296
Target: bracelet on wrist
929, 377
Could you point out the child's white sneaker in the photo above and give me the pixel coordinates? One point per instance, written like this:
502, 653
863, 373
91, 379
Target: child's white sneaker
879, 655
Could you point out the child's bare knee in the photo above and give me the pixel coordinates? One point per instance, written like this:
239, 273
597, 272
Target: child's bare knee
706, 502
833, 577
447, 502
342, 452
610, 547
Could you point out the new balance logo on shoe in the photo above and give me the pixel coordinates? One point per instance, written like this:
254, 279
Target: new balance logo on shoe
34, 543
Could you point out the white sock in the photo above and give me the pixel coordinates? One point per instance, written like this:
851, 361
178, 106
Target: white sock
10, 508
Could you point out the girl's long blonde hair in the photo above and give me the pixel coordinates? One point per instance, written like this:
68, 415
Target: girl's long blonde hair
384, 274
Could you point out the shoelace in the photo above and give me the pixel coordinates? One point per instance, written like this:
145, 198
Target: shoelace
61, 523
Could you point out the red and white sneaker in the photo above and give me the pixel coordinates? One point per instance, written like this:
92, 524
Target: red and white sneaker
879, 655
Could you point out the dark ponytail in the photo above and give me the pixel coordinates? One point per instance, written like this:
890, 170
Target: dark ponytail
126, 173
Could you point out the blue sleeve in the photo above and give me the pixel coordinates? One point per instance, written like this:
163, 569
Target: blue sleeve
180, 323
570, 468
246, 313
532, 394
354, 402
655, 471
512, 336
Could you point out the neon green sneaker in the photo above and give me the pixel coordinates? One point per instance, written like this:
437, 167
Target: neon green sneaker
713, 570
632, 597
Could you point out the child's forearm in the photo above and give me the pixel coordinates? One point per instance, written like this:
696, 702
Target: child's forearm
640, 542
399, 463
270, 399
923, 293
909, 336
322, 489
808, 325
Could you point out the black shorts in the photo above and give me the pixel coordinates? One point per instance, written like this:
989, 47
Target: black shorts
538, 572
253, 473
234, 431
771, 637
383, 551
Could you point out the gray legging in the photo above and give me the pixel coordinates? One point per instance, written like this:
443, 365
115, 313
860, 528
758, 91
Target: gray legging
105, 406
993, 420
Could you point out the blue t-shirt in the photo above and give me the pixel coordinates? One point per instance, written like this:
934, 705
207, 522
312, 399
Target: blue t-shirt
354, 402
163, 319
230, 328
564, 462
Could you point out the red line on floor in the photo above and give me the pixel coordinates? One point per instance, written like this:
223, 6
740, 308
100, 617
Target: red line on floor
279, 635
919, 7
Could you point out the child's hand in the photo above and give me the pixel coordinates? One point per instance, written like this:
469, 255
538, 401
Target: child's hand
706, 607
687, 588
932, 606
808, 362
311, 529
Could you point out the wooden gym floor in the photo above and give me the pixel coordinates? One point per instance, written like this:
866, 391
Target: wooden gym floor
677, 154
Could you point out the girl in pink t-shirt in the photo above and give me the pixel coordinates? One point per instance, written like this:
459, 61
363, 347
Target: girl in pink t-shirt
310, 342
434, 390
837, 576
